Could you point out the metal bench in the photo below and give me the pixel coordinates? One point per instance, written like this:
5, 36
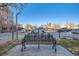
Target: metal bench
38, 38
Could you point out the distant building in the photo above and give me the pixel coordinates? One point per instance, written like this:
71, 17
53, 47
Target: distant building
51, 27
72, 26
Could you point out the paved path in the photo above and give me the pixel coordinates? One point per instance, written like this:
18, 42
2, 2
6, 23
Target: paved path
32, 50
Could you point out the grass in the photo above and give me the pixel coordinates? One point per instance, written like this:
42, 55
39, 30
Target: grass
8, 45
71, 45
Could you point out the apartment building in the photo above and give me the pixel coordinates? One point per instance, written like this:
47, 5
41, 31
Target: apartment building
6, 18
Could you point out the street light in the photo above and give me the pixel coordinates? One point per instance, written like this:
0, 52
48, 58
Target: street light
18, 12
38, 39
18, 8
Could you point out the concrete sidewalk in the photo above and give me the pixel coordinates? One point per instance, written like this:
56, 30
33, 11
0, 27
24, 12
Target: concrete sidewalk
32, 50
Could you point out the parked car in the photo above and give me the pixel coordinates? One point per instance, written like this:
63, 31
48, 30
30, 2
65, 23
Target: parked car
40, 30
22, 31
75, 31
64, 30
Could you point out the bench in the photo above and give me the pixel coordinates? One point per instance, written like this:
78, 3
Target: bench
38, 38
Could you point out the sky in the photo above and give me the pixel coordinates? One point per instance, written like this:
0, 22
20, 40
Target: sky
43, 13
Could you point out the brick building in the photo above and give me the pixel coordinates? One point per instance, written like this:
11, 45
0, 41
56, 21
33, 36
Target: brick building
6, 18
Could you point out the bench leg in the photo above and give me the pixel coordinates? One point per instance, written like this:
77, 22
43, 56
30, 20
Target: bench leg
24, 46
54, 46
22, 49
55, 49
38, 45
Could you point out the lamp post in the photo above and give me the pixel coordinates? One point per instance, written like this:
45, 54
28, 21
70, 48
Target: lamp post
18, 12
12, 28
17, 26
38, 39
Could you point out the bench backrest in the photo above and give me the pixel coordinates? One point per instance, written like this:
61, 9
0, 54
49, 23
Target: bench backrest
38, 36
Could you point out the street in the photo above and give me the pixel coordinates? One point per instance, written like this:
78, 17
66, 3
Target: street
8, 36
4, 37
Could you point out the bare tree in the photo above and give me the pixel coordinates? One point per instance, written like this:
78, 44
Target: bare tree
19, 8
